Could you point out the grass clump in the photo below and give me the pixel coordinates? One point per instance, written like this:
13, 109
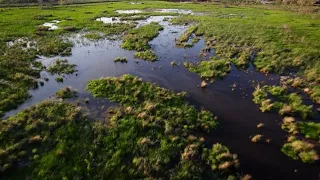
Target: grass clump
154, 110
210, 70
138, 38
119, 59
310, 129
59, 79
53, 46
66, 93
298, 149
62, 66
256, 138
220, 158
184, 38
146, 55
277, 98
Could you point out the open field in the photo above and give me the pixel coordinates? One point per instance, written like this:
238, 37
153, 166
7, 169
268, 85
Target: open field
202, 81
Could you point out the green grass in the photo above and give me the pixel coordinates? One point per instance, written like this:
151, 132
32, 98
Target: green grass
62, 66
278, 98
310, 129
285, 40
119, 59
152, 134
138, 38
59, 79
300, 150
182, 41
220, 158
66, 93
93, 36
146, 55
55, 140
210, 70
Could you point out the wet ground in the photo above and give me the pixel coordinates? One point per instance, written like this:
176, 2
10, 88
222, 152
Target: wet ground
230, 99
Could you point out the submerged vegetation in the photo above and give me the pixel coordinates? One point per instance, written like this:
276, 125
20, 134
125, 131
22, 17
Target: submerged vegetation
210, 70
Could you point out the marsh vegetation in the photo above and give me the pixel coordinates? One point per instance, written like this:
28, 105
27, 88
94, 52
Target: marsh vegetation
153, 132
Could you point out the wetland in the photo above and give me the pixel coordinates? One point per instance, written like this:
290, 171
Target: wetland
159, 90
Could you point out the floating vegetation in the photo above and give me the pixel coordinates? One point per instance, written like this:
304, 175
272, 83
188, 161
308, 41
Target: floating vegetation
210, 70
59, 79
138, 38
256, 138
66, 93
119, 59
260, 125
61, 66
285, 103
146, 55
173, 63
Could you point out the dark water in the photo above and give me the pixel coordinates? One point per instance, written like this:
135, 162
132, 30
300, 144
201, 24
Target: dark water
237, 113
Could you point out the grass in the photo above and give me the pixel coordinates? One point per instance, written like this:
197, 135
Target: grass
280, 44
311, 89
256, 138
62, 66
138, 38
59, 79
146, 55
210, 70
310, 129
297, 149
286, 40
220, 158
66, 93
119, 59
52, 46
151, 134
301, 149
183, 40
278, 98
